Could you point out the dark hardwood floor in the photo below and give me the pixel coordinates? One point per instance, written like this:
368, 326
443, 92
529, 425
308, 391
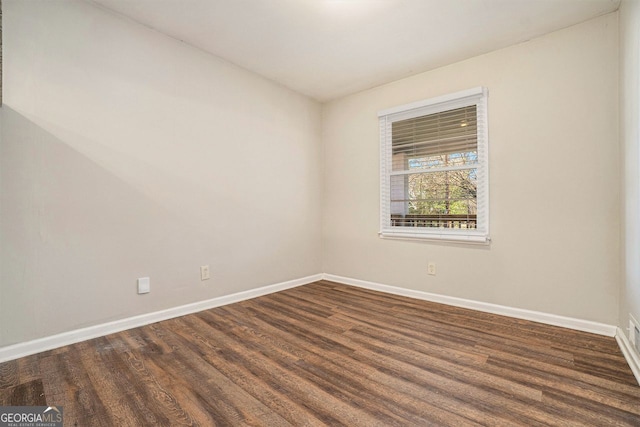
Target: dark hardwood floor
329, 354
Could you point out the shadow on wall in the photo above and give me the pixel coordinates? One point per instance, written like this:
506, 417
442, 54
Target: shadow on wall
74, 237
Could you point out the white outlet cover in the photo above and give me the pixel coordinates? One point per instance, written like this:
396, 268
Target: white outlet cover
144, 285
431, 269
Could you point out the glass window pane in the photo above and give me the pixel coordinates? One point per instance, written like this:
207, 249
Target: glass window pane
435, 199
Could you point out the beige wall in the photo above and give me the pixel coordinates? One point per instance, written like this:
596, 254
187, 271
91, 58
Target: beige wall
125, 153
629, 138
554, 168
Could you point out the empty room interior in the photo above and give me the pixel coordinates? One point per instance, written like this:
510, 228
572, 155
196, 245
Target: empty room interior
320, 212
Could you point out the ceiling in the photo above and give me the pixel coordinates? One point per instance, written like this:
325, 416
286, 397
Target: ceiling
330, 48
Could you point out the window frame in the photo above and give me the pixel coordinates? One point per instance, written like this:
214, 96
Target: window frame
480, 235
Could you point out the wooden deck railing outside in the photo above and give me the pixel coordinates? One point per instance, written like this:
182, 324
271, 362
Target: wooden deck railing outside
434, 221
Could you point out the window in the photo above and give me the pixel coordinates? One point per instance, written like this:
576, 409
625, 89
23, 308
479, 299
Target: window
434, 169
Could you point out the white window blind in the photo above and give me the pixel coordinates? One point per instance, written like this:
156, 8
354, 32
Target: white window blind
434, 169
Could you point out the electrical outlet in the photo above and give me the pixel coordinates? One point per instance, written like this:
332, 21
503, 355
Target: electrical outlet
431, 269
205, 274
144, 285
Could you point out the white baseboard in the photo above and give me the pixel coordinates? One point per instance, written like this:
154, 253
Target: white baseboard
16, 351
519, 313
629, 354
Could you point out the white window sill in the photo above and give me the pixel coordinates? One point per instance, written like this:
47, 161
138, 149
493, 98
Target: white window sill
470, 239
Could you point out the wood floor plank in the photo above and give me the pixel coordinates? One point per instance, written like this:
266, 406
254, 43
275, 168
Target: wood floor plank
155, 393
224, 357
331, 354
9, 374
609, 393
232, 405
424, 402
289, 324
339, 383
25, 394
67, 384
112, 385
284, 368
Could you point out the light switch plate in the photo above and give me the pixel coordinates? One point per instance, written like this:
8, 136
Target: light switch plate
144, 285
